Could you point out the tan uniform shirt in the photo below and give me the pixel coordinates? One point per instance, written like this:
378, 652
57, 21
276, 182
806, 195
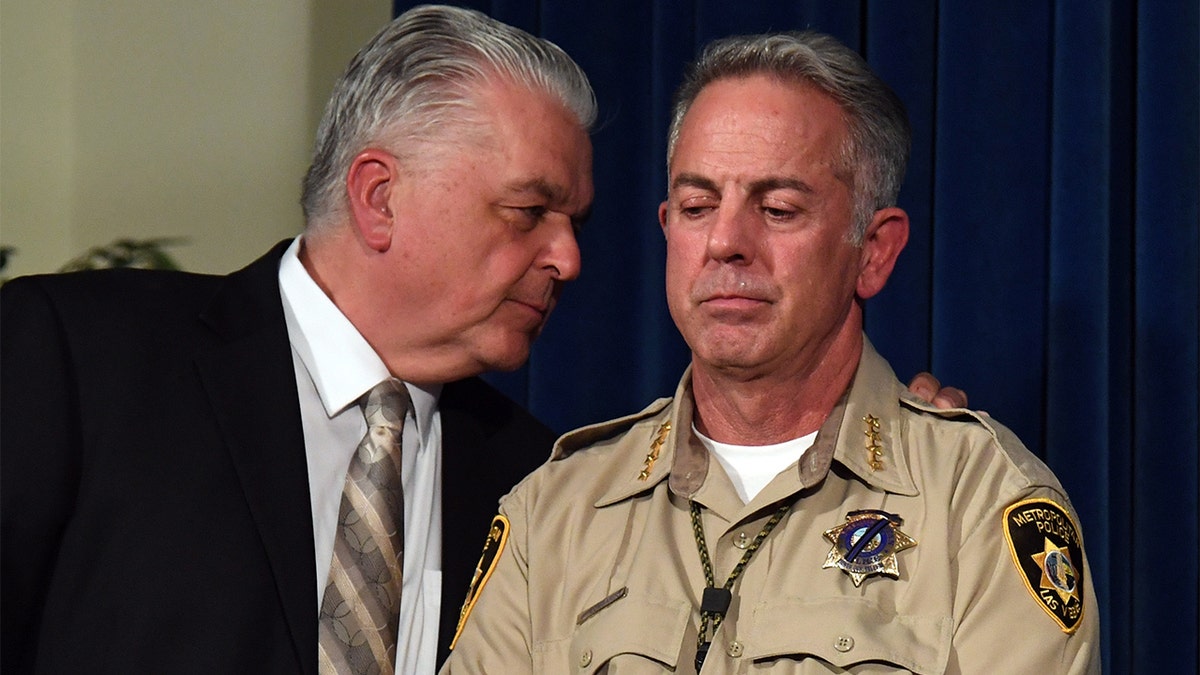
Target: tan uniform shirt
599, 570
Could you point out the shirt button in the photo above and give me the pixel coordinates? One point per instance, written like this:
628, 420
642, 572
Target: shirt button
844, 643
742, 540
735, 649
585, 659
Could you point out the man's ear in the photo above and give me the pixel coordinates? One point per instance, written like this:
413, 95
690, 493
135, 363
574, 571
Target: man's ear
662, 218
370, 183
886, 235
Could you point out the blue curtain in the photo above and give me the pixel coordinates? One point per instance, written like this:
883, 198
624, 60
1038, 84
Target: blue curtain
1051, 272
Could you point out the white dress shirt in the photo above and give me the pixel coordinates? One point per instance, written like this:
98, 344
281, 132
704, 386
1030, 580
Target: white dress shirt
335, 366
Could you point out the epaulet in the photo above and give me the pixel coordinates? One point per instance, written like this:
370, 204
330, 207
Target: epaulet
593, 433
909, 400
1023, 460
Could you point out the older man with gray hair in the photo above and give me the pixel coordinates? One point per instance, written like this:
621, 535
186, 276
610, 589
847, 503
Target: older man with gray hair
246, 474
792, 508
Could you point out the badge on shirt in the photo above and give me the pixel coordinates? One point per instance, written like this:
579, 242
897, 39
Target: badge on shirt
492, 548
866, 544
1045, 545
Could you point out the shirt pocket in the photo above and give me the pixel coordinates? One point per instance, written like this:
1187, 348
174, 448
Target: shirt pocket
849, 632
633, 635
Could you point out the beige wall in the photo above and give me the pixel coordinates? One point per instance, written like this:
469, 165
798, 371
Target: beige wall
141, 118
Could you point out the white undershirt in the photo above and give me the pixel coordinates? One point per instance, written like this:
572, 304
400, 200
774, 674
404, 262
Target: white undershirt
751, 467
335, 366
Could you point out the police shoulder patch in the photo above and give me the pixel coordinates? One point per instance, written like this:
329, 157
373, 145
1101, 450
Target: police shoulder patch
493, 546
1048, 552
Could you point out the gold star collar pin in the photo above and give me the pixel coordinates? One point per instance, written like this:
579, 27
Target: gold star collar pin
874, 448
655, 449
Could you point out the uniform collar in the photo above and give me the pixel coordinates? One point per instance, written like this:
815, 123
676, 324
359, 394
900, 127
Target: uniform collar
638, 431
874, 396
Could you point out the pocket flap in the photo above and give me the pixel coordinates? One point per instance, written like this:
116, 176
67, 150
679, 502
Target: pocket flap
845, 631
648, 627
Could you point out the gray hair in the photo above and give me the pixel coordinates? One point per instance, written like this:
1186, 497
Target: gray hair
876, 150
418, 77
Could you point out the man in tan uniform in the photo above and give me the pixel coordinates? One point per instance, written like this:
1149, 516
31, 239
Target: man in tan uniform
792, 508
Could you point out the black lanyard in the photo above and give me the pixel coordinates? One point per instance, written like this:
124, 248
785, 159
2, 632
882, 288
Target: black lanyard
715, 601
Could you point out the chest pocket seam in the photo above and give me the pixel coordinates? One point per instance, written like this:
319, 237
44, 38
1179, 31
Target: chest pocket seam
846, 631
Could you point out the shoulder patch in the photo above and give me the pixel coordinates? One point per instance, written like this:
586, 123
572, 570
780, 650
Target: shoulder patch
1046, 548
493, 546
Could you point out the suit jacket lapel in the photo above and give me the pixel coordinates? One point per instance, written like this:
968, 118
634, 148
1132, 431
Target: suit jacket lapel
488, 445
251, 384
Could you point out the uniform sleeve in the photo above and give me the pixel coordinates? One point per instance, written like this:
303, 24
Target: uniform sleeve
1016, 592
39, 449
495, 634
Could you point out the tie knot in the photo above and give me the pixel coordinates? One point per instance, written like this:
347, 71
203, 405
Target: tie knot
386, 404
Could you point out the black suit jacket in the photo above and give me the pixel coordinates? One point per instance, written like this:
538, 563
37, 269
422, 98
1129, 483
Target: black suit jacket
155, 504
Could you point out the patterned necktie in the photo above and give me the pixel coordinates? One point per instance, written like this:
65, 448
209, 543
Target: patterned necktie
360, 610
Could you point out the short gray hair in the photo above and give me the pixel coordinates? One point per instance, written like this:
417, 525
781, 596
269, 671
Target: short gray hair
877, 147
417, 77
